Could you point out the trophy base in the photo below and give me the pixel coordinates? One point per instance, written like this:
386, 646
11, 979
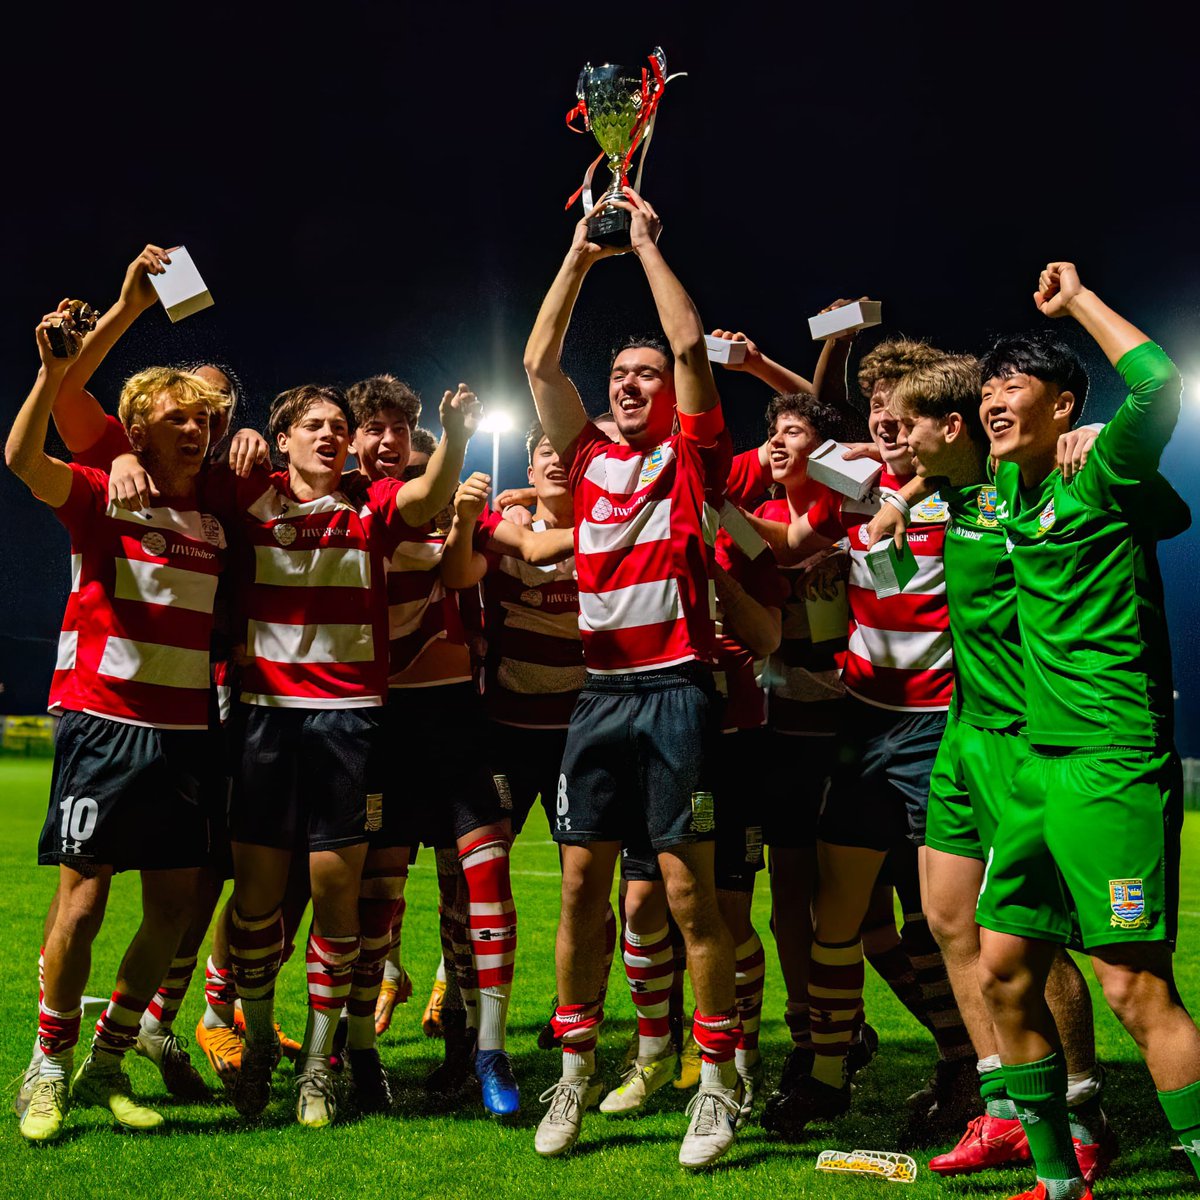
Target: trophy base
59, 346
610, 227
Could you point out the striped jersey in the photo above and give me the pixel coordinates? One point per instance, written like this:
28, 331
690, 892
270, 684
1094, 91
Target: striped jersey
804, 676
312, 592
135, 640
900, 653
644, 532
420, 609
533, 662
749, 481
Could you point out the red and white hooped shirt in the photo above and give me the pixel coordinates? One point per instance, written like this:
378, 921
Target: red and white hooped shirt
312, 592
135, 640
804, 676
645, 525
749, 480
533, 660
900, 654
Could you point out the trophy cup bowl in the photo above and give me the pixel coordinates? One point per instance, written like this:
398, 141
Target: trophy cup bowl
612, 98
78, 317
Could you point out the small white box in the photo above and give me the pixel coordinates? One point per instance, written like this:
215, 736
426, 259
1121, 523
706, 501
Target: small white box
722, 350
854, 477
180, 287
859, 315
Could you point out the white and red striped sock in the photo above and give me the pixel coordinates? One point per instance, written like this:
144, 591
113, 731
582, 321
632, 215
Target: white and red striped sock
220, 992
493, 932
117, 1028
750, 969
255, 955
717, 1036
58, 1035
577, 1028
330, 962
650, 969
164, 1004
375, 917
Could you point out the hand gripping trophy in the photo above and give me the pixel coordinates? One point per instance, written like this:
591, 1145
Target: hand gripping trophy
618, 106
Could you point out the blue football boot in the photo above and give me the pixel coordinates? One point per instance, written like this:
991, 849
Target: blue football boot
501, 1096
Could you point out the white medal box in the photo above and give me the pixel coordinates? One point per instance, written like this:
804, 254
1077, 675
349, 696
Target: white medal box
180, 287
854, 477
722, 350
860, 315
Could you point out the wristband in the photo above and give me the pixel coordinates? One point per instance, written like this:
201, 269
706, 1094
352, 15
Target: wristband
898, 502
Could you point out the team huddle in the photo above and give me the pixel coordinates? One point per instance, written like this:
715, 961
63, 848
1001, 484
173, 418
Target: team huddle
687, 655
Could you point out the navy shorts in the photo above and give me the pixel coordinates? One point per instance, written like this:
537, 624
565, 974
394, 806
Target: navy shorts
879, 779
634, 760
128, 797
437, 754
304, 777
525, 765
795, 774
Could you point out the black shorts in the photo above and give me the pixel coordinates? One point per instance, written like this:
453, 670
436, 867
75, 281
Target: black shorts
635, 760
304, 777
879, 782
738, 762
442, 729
525, 764
795, 774
128, 797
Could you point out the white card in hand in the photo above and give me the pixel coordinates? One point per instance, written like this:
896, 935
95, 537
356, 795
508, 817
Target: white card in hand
180, 287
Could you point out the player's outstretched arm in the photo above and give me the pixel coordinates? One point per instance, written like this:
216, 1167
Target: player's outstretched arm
78, 416
539, 547
792, 542
695, 389
462, 566
559, 407
421, 499
776, 376
48, 478
1136, 437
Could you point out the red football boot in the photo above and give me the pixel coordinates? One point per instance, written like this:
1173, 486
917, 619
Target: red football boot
1039, 1193
1094, 1157
988, 1142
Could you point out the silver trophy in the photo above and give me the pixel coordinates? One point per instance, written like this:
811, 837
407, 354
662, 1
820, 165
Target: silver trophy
618, 106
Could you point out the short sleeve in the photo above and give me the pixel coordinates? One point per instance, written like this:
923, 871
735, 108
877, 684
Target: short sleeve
481, 536
749, 480
87, 499
586, 446
825, 516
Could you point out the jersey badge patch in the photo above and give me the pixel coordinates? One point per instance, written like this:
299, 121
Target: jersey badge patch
602, 509
1045, 519
702, 812
651, 468
283, 533
211, 528
532, 598
986, 502
931, 510
154, 543
1127, 899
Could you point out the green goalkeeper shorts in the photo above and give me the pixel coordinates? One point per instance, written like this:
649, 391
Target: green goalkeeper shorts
970, 785
1094, 833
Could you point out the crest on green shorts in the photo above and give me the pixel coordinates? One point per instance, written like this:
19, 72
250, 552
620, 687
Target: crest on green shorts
1127, 899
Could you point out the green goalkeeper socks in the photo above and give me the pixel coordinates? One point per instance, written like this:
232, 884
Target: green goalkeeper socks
1039, 1091
1183, 1111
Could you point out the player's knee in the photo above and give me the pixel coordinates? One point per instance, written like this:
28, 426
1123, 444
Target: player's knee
1135, 997
1005, 982
953, 927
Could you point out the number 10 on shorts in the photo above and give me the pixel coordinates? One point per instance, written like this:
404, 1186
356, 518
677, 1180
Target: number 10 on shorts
78, 822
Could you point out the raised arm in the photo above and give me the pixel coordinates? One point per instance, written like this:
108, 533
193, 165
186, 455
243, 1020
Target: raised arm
421, 499
77, 414
462, 566
776, 376
48, 478
1135, 438
695, 389
559, 407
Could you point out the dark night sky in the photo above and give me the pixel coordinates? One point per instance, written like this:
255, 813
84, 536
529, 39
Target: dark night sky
381, 187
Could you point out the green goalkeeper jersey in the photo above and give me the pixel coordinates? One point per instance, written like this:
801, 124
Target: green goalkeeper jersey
1089, 593
989, 684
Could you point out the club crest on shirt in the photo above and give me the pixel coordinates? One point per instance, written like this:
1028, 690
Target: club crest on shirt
154, 543
651, 468
1127, 899
702, 812
602, 509
932, 509
986, 503
532, 597
211, 528
1045, 519
283, 533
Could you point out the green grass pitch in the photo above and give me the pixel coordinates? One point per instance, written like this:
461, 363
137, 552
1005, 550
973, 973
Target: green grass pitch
423, 1150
